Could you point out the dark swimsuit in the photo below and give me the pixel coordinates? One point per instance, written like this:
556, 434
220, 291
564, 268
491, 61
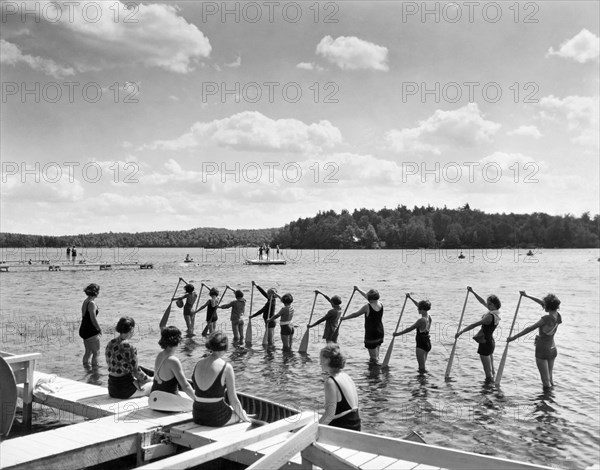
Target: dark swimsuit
211, 312
373, 328
544, 342
169, 386
487, 348
87, 328
211, 414
349, 420
422, 338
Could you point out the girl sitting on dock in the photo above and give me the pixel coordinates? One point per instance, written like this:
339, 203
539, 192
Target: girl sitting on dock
331, 318
545, 349
90, 330
168, 372
489, 321
373, 312
287, 328
125, 377
422, 325
212, 378
341, 397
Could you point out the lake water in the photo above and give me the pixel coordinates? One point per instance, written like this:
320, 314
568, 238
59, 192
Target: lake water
40, 311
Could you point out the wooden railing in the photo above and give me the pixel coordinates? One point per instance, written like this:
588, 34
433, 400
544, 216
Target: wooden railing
23, 366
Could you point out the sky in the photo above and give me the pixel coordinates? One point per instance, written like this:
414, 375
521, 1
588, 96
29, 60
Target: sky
152, 116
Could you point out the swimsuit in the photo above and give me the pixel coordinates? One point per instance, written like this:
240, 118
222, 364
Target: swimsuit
544, 342
373, 328
287, 329
187, 308
349, 420
331, 323
211, 312
212, 413
268, 309
169, 386
422, 337
487, 348
87, 328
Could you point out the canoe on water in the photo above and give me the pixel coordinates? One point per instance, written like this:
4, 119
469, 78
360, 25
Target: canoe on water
264, 261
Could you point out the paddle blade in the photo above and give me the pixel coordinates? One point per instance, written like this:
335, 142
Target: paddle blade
205, 330
249, 333
501, 368
265, 340
165, 317
388, 354
450, 360
304, 342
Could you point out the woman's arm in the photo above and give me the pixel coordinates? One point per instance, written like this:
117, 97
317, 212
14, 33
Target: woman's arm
478, 297
93, 315
261, 290
181, 380
410, 328
232, 394
330, 402
203, 307
362, 311
139, 375
324, 295
229, 305
527, 330
321, 320
361, 292
277, 315
484, 321
535, 299
413, 300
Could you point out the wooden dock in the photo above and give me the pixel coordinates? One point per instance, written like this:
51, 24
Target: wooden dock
293, 438
55, 266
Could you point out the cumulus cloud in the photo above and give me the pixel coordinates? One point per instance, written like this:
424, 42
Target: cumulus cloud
583, 47
253, 131
352, 53
108, 34
309, 66
236, 63
580, 114
527, 131
11, 54
463, 127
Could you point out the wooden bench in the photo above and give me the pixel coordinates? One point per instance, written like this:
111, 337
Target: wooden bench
23, 366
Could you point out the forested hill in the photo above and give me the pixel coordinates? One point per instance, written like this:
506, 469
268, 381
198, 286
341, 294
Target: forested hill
198, 237
421, 227
429, 227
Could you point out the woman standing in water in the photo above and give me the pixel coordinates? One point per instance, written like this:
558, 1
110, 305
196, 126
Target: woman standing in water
545, 349
373, 312
489, 321
422, 325
90, 330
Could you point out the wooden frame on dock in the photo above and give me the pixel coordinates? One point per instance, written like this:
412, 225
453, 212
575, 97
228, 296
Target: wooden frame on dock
23, 366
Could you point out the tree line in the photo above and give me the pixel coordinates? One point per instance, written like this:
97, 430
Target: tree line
420, 227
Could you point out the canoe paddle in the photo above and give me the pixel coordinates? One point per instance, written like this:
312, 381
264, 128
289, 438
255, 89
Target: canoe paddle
451, 359
337, 330
165, 317
388, 354
503, 360
249, 327
304, 342
265, 340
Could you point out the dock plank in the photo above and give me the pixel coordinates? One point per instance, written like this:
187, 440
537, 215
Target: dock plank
378, 463
401, 465
361, 458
